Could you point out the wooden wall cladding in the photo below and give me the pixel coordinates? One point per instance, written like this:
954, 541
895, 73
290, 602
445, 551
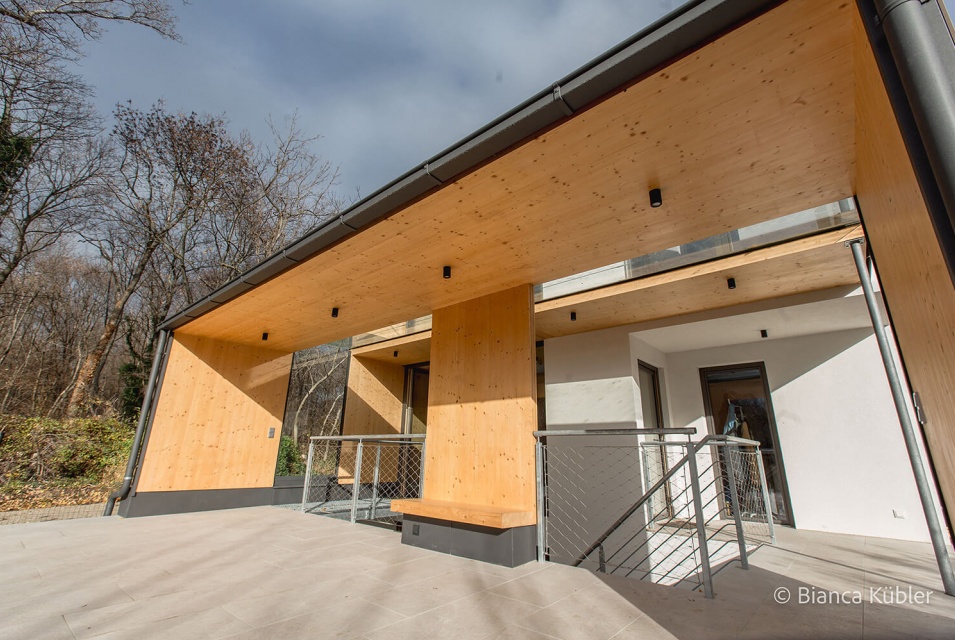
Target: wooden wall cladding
373, 401
212, 420
373, 406
482, 407
913, 273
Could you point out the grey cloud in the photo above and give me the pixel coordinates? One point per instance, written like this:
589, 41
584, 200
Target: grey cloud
387, 84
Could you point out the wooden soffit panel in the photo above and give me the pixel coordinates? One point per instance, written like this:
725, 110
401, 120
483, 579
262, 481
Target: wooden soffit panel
404, 350
810, 264
752, 126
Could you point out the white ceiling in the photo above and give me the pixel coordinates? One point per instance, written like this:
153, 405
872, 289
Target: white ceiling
847, 311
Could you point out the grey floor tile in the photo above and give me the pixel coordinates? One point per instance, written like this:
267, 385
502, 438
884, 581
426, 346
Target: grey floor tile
433, 592
416, 570
544, 588
273, 608
470, 618
203, 625
516, 632
595, 611
347, 621
808, 622
644, 628
137, 613
45, 628
55, 600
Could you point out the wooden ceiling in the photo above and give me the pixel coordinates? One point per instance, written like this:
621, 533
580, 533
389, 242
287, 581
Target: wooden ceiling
400, 351
753, 126
810, 264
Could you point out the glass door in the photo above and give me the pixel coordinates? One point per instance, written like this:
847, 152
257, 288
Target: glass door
654, 456
738, 403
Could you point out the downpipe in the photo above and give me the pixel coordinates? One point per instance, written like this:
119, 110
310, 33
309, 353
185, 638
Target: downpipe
929, 82
144, 414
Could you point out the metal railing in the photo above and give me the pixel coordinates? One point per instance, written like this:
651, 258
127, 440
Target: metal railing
357, 477
639, 504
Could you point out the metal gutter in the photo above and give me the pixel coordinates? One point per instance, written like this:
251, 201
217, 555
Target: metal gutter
685, 28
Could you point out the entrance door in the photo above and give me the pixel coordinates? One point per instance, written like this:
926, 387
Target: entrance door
654, 456
738, 403
417, 378
415, 420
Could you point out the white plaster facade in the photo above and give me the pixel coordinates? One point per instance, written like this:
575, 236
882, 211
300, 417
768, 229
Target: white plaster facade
845, 460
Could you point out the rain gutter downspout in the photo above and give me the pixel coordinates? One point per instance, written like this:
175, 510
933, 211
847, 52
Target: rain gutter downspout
929, 83
144, 415
922, 481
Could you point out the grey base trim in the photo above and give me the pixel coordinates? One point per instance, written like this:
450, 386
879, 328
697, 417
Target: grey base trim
507, 547
156, 503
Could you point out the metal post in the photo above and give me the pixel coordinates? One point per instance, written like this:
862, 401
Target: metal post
374, 483
356, 483
308, 473
601, 560
908, 431
651, 512
732, 451
541, 532
764, 488
421, 473
700, 522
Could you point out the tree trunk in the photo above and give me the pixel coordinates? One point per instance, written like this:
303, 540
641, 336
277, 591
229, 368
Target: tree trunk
79, 398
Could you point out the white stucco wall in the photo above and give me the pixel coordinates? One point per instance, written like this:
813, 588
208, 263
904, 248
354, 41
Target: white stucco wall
589, 381
842, 447
841, 444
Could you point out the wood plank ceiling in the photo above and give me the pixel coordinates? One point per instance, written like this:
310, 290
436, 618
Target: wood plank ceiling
752, 126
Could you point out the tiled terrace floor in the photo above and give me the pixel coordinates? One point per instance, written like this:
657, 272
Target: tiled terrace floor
268, 573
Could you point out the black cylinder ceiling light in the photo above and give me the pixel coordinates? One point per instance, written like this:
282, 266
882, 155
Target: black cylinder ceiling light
656, 198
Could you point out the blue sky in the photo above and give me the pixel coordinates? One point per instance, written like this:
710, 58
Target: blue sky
386, 84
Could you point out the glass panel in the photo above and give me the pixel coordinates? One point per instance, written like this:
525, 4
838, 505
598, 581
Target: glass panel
737, 399
420, 379
314, 405
394, 331
824, 218
541, 389
649, 397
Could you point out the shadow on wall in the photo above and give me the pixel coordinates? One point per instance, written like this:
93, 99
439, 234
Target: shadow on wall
787, 359
259, 374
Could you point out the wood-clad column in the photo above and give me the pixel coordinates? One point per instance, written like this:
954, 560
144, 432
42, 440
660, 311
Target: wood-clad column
482, 405
912, 269
218, 403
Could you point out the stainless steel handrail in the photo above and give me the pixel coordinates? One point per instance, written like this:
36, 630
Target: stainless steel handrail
372, 437
682, 431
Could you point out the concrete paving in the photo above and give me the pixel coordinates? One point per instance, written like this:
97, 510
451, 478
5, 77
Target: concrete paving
267, 573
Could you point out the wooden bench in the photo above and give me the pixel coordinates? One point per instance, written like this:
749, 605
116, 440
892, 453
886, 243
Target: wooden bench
481, 515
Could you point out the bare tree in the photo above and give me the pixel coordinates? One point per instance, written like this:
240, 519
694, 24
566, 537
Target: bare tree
65, 24
172, 170
50, 158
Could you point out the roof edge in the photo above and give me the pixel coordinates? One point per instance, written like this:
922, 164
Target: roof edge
682, 30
